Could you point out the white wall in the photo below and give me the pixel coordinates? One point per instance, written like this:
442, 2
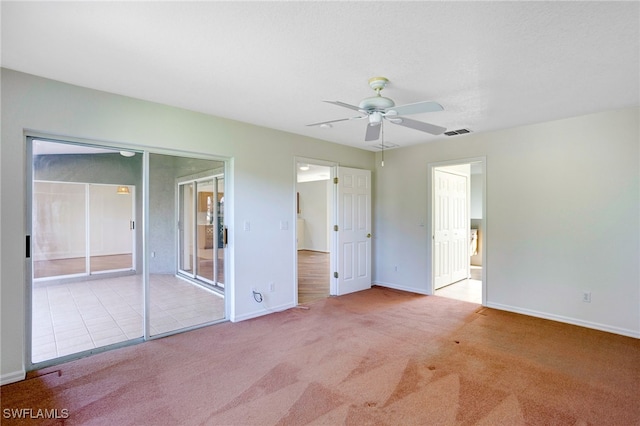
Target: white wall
562, 218
262, 179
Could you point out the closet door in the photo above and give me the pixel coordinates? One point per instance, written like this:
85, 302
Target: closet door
451, 228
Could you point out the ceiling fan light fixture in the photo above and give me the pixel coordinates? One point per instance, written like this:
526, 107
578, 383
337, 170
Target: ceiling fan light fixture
375, 118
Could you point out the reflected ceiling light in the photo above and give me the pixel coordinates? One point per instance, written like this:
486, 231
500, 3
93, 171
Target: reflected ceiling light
304, 167
127, 153
123, 190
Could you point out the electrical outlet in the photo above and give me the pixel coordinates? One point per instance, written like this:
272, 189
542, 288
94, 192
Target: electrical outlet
586, 297
272, 287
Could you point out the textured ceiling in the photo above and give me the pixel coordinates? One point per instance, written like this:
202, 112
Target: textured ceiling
492, 65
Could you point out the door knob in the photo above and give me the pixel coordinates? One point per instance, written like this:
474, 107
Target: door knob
368, 235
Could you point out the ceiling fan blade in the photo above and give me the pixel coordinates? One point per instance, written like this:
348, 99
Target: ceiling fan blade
417, 108
342, 104
418, 125
335, 121
373, 132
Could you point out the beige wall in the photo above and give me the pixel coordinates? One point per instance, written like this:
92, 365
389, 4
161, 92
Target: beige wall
563, 217
262, 178
572, 185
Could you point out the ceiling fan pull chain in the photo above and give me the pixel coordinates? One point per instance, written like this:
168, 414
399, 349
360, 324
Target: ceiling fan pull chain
382, 130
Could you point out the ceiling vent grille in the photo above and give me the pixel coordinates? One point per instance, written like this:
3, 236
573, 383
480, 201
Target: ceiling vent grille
457, 132
385, 145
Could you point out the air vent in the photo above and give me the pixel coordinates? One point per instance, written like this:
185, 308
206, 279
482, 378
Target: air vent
386, 145
457, 132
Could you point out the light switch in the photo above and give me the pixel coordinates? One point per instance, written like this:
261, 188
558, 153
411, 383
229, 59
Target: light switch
284, 225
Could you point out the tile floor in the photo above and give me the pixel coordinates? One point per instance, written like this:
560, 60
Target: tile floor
75, 317
469, 290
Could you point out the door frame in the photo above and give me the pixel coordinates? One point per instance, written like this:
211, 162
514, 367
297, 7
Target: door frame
482, 161
333, 167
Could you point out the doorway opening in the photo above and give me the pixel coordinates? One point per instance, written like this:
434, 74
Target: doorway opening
315, 217
458, 229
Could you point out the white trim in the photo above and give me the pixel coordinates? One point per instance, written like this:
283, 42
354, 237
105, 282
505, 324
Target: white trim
401, 288
13, 377
566, 320
263, 312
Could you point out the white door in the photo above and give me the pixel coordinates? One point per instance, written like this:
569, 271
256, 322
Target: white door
441, 230
354, 230
451, 228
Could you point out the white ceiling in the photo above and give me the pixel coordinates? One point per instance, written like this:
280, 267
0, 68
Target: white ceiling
492, 65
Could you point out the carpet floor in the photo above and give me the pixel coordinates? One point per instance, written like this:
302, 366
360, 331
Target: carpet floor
376, 357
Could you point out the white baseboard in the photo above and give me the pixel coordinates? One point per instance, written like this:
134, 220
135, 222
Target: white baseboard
567, 320
13, 377
262, 312
400, 287
533, 313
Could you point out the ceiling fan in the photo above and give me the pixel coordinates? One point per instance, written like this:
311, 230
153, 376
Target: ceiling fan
378, 108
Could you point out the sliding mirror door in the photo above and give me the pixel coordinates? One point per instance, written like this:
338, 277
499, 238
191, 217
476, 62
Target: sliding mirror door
89, 284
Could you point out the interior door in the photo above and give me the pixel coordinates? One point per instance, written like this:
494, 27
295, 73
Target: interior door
354, 230
451, 228
441, 230
459, 227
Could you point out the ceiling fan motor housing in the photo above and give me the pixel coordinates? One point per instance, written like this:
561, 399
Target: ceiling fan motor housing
376, 103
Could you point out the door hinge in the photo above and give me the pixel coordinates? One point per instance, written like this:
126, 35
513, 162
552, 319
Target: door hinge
132, 224
335, 275
335, 180
335, 228
28, 246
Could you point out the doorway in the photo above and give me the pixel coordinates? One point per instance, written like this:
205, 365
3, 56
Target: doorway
315, 216
458, 229
344, 228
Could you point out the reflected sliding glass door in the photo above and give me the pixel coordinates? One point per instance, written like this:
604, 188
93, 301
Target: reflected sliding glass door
201, 230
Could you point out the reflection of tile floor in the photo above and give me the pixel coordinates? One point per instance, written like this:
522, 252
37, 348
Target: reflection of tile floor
467, 290
75, 317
